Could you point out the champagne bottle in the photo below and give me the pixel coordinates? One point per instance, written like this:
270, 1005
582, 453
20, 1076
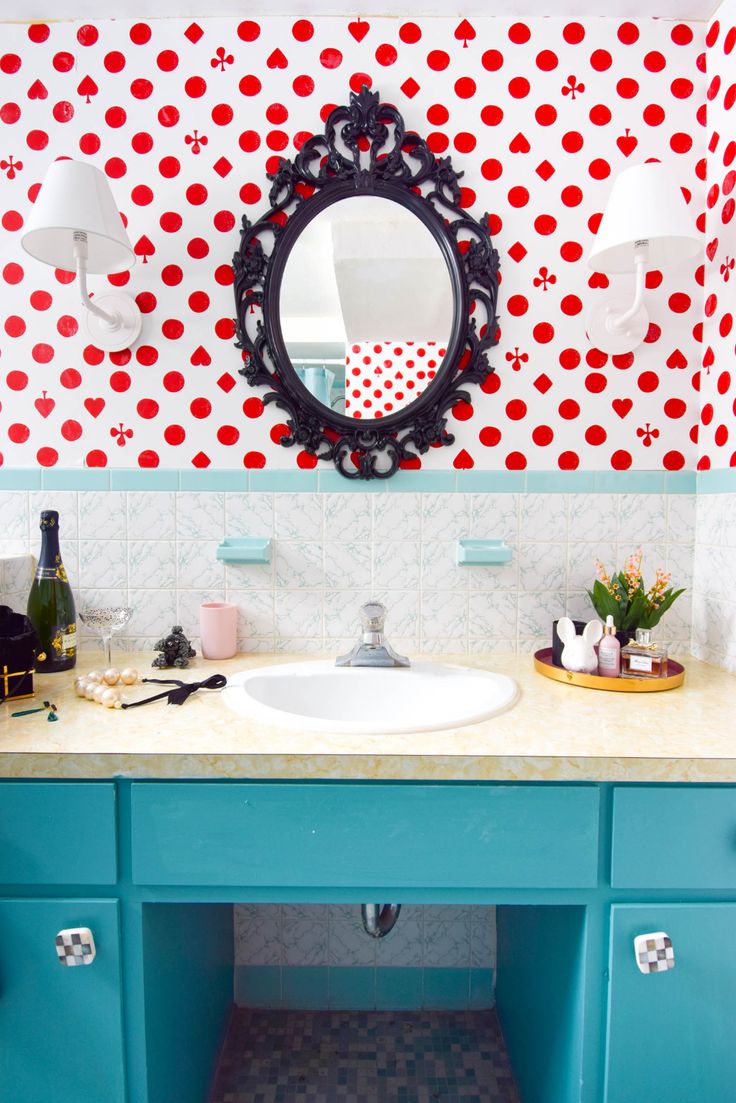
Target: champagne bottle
51, 603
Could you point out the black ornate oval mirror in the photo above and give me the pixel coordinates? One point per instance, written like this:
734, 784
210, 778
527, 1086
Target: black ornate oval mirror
366, 295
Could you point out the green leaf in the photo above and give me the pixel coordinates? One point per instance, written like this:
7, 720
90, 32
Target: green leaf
652, 619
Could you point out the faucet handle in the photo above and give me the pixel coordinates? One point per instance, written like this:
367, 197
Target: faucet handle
373, 616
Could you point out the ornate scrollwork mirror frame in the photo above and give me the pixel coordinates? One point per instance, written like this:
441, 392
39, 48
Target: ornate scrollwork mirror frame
380, 158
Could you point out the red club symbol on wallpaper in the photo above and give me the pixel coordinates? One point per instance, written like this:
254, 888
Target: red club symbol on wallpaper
196, 141
647, 435
516, 359
221, 59
123, 435
545, 279
727, 268
11, 167
572, 88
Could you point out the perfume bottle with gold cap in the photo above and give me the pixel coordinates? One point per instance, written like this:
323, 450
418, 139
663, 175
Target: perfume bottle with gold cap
641, 658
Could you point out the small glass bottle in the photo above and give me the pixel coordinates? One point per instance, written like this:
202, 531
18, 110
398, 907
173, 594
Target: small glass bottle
643, 659
609, 651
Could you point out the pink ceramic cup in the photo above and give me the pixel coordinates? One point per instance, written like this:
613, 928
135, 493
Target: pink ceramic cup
218, 629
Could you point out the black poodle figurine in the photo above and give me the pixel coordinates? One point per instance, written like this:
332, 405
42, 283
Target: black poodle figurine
175, 649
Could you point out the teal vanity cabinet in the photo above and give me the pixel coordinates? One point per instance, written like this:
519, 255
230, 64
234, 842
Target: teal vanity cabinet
61, 1027
671, 1034
576, 870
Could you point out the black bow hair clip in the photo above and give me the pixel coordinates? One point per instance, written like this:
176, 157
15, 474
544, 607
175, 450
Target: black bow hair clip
183, 690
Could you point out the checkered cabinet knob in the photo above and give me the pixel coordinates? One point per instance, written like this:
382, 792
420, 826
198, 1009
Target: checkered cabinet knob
654, 952
75, 946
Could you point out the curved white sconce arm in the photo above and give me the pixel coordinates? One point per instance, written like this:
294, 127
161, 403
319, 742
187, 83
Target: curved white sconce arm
615, 327
113, 320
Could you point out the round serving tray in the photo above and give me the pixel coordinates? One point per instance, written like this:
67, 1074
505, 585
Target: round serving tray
544, 665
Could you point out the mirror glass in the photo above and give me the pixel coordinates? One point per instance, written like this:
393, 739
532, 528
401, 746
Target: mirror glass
366, 306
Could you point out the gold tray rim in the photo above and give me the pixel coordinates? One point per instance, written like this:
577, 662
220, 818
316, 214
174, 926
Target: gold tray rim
610, 685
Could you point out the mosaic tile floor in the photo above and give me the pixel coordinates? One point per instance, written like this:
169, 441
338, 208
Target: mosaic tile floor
364, 1057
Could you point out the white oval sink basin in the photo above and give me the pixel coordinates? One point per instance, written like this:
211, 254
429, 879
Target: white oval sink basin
319, 696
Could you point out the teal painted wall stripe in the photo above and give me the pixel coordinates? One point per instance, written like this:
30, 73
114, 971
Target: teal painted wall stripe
362, 988
427, 482
717, 482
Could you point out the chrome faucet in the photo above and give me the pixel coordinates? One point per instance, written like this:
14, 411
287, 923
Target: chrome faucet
372, 649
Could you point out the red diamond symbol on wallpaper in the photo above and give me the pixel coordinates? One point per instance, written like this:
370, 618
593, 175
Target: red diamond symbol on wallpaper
410, 88
517, 251
201, 460
226, 382
222, 167
545, 170
193, 32
543, 383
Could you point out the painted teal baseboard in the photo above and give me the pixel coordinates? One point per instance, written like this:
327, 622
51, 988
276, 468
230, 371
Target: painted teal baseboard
328, 481
358, 988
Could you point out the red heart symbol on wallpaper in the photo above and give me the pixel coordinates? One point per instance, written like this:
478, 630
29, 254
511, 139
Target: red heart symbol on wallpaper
200, 356
519, 144
44, 405
676, 360
622, 406
359, 29
627, 143
598, 279
94, 406
711, 248
37, 91
463, 460
277, 60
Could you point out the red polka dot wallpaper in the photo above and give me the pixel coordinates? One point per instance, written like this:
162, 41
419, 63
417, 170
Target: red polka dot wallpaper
717, 427
187, 117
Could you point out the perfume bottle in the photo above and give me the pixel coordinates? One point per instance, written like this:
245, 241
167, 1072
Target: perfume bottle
643, 659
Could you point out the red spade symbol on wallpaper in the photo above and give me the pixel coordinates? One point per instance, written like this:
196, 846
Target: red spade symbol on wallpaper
37, 91
144, 248
627, 143
359, 29
465, 32
44, 405
87, 88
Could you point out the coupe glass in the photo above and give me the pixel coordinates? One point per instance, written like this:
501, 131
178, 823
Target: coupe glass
105, 622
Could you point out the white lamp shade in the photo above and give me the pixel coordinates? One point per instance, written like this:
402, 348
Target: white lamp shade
646, 204
77, 196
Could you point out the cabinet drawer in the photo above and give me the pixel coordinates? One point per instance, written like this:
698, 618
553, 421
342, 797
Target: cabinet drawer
674, 838
367, 835
56, 833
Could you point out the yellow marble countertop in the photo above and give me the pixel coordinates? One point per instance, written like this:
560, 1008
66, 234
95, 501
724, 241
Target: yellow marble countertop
554, 732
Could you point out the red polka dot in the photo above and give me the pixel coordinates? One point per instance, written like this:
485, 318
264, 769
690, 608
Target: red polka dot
596, 435
120, 381
653, 114
673, 461
174, 435
386, 54
543, 332
195, 87
679, 302
17, 380
568, 461
250, 85
304, 85
542, 435
47, 457
87, 35
675, 408
621, 460
489, 436
600, 60
573, 33
253, 407
628, 33
409, 33
569, 409
519, 33
438, 60
306, 460
38, 32
302, 30
600, 115
515, 461
518, 196
228, 435
519, 87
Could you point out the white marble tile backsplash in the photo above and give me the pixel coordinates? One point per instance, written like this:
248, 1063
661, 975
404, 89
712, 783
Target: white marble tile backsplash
156, 550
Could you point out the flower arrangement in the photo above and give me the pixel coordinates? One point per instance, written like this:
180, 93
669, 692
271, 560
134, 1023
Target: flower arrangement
625, 597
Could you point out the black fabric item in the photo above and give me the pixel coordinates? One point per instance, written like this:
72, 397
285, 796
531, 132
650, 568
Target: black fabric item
182, 691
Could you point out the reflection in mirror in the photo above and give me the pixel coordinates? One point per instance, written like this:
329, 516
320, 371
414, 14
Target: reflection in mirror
366, 306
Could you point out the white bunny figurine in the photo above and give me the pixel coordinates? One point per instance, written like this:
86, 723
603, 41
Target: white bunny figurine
578, 653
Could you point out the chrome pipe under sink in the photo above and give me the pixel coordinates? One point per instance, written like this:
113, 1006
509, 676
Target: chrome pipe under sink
379, 919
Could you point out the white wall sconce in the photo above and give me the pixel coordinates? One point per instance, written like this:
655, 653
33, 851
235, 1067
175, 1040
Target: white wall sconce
75, 225
646, 224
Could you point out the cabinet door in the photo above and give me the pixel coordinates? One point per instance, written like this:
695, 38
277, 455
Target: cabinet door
60, 1026
671, 1034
